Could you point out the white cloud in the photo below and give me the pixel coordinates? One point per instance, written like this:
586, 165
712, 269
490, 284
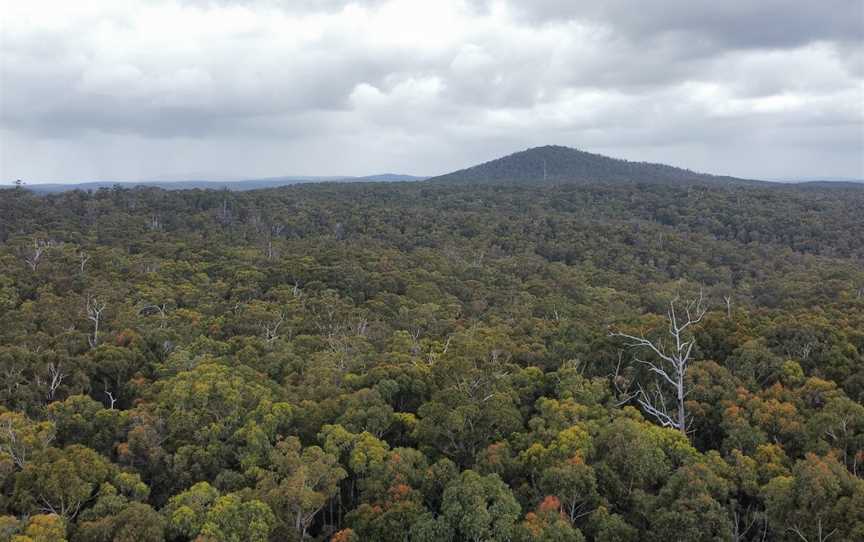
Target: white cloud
260, 87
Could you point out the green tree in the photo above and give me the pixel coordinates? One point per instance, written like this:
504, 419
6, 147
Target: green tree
476, 507
22, 438
43, 528
186, 512
574, 485
819, 500
231, 519
298, 483
61, 481
690, 506
548, 524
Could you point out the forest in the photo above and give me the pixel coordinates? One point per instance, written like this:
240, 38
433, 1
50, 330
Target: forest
433, 361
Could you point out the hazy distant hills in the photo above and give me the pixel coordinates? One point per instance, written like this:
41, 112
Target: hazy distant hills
549, 164
564, 165
251, 184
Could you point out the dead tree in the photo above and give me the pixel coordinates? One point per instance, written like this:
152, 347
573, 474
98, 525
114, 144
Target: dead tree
668, 363
224, 215
728, 300
275, 231
743, 522
111, 399
95, 308
83, 258
157, 308
271, 329
56, 374
821, 535
35, 255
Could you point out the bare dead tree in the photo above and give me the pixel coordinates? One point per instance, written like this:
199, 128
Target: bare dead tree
224, 215
801, 351
156, 308
56, 375
95, 309
271, 328
821, 535
415, 335
361, 327
83, 258
13, 378
670, 365
479, 256
35, 254
275, 231
432, 356
728, 300
111, 399
743, 522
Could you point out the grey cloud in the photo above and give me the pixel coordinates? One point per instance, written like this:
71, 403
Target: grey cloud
707, 86
230, 93
730, 23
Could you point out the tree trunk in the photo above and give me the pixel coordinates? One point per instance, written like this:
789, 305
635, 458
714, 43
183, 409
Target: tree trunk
682, 415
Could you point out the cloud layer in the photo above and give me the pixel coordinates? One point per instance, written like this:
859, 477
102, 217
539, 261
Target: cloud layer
121, 89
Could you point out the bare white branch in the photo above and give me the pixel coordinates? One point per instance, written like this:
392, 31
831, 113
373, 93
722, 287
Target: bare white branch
55, 372
95, 308
36, 254
671, 364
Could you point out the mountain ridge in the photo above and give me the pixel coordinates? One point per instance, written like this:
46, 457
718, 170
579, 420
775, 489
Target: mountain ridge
549, 164
559, 164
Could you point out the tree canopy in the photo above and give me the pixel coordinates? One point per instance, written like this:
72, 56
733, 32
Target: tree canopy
432, 361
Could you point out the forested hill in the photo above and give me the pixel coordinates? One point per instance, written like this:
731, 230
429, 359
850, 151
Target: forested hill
557, 164
429, 362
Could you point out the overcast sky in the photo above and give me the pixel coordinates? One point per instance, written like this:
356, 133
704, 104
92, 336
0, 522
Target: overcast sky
169, 89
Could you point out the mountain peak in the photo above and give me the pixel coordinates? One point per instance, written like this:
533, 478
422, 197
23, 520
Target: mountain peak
559, 164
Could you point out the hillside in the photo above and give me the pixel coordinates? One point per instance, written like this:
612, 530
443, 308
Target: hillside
554, 163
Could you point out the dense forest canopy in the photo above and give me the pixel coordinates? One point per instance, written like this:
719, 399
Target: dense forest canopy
433, 361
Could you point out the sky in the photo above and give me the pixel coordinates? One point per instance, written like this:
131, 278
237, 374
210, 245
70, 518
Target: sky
231, 89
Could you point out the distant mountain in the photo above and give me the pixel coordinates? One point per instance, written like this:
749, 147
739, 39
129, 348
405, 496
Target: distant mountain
251, 184
389, 178
846, 180
829, 184
558, 164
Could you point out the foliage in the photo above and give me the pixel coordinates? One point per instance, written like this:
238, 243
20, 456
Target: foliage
431, 361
